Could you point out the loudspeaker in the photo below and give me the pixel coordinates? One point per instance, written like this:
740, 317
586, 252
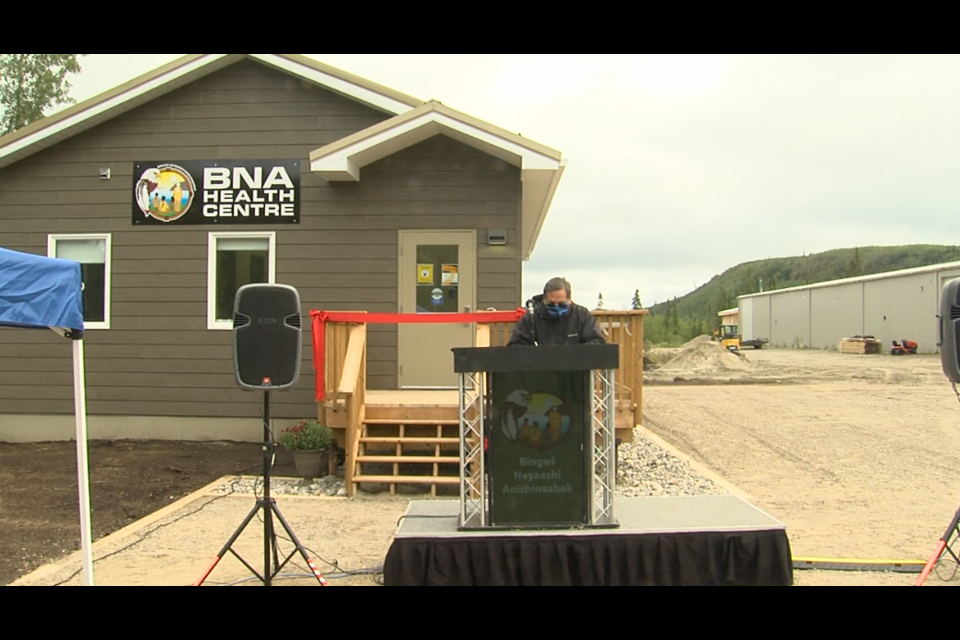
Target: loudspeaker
950, 330
266, 336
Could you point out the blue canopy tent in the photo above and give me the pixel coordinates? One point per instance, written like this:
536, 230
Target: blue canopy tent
45, 293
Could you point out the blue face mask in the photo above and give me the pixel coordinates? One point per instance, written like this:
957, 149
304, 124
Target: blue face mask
558, 310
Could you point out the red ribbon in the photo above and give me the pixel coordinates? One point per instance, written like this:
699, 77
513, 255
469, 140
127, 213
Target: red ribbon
321, 318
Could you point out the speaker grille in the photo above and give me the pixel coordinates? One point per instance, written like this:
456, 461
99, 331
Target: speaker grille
267, 336
950, 330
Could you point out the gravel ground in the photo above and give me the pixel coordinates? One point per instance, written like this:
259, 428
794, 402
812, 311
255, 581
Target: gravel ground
644, 469
330, 487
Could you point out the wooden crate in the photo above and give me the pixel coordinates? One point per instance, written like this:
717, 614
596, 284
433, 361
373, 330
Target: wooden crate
860, 346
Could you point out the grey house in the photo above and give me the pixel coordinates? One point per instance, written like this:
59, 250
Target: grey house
218, 170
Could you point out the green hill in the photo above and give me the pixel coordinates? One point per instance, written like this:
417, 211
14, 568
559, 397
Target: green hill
696, 312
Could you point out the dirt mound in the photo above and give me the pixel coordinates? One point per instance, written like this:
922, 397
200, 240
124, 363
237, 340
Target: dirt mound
697, 340
658, 357
706, 357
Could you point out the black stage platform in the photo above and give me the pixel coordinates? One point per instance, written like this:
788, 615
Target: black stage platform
694, 541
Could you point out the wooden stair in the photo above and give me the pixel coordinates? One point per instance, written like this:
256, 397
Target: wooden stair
413, 447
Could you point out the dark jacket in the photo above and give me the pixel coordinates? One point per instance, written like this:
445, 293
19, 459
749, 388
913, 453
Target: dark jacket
540, 328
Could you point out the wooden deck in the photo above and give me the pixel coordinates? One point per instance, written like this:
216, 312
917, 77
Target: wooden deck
418, 398
411, 437
412, 406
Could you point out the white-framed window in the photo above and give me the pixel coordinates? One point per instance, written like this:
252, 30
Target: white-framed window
235, 260
93, 252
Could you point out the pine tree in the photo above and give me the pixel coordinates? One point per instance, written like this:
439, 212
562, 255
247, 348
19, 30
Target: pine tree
751, 285
697, 328
673, 316
600, 302
636, 304
856, 265
722, 303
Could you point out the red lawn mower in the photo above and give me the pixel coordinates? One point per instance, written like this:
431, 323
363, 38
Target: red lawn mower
909, 347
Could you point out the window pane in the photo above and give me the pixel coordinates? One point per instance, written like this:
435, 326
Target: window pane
438, 286
91, 254
94, 292
83, 251
236, 268
243, 244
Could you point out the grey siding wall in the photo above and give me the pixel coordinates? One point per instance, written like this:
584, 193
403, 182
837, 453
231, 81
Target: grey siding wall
748, 318
438, 184
836, 311
159, 359
903, 308
790, 319
755, 318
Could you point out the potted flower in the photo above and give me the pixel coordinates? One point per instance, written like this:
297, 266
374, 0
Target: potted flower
309, 442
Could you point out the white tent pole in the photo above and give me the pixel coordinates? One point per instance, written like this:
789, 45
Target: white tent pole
83, 469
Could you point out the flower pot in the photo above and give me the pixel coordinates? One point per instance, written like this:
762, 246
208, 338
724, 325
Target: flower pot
311, 464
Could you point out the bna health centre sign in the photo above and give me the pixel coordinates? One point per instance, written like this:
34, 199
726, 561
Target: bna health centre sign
221, 192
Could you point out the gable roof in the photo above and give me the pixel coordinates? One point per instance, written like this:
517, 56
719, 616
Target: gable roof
130, 95
414, 121
541, 167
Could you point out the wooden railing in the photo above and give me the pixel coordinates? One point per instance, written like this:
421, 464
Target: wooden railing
346, 390
338, 339
496, 334
353, 388
345, 372
625, 328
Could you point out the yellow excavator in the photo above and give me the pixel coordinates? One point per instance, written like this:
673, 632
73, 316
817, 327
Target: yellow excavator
729, 338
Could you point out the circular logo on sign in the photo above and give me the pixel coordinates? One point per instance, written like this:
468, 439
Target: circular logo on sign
165, 192
536, 420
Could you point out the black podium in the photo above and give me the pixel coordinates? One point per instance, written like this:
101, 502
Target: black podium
538, 441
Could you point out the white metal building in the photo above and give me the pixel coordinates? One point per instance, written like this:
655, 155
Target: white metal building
890, 306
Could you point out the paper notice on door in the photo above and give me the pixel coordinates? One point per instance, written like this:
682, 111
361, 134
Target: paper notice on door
451, 275
425, 274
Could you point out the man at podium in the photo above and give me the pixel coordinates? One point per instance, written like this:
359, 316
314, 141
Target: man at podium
556, 320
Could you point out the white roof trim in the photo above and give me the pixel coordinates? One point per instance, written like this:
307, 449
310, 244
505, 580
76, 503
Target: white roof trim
537, 200
342, 165
107, 105
335, 84
100, 106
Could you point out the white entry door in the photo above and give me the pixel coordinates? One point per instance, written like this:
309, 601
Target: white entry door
438, 274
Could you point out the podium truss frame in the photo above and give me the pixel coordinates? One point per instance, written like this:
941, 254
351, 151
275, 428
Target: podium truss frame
474, 414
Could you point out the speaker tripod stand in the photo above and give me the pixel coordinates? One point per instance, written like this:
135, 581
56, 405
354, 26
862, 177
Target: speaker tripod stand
272, 565
947, 544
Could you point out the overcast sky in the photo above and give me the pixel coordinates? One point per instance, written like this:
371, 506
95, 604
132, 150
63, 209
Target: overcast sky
682, 166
